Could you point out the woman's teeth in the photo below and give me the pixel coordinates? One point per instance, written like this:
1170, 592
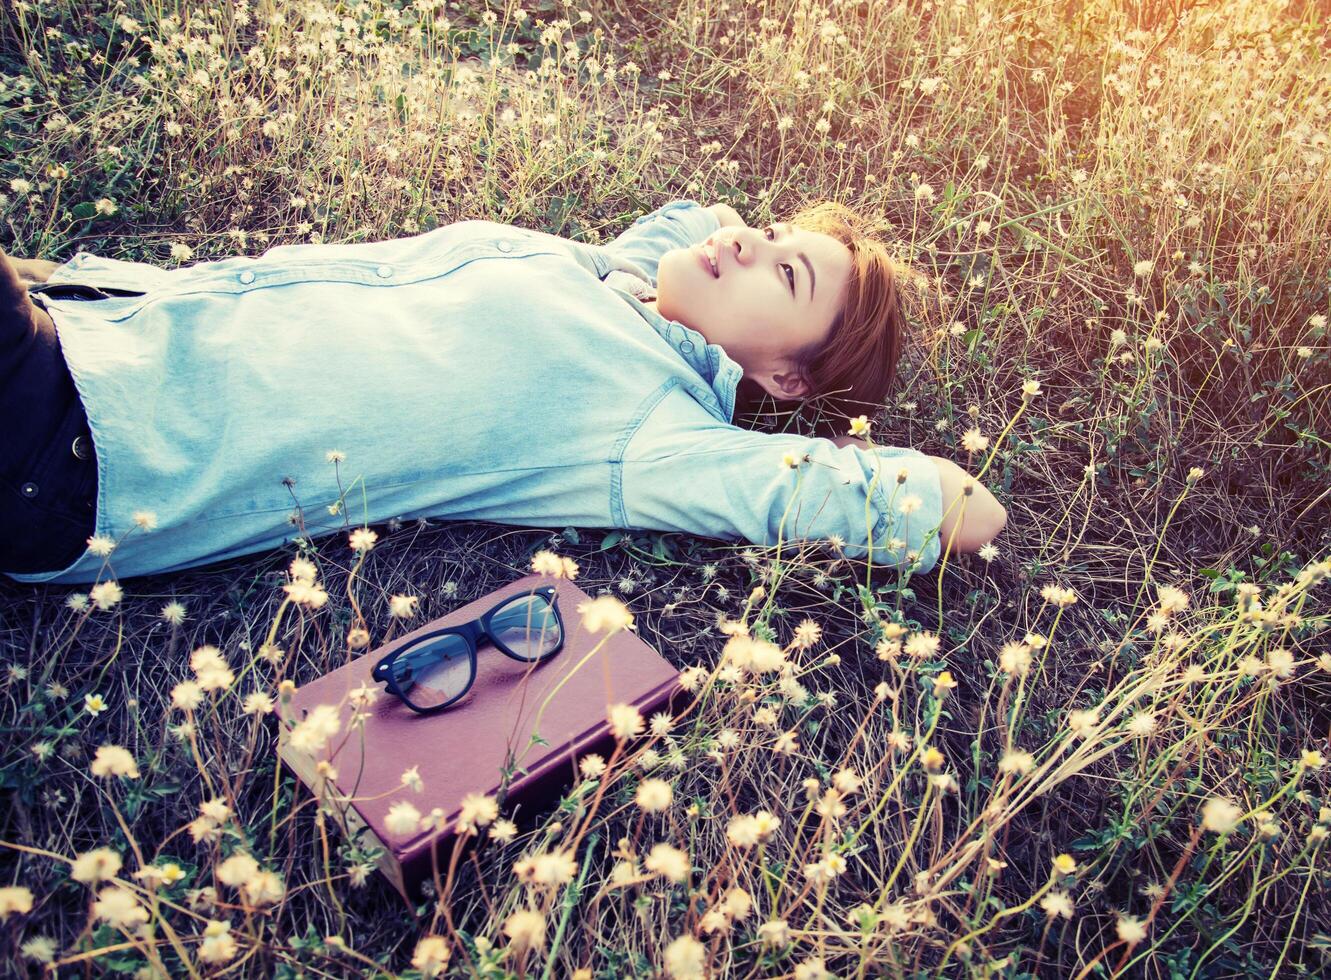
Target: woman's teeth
710, 253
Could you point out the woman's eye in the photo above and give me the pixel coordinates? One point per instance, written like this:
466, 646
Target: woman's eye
790, 271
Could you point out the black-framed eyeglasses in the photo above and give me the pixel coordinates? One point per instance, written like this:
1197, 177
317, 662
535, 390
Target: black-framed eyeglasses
435, 669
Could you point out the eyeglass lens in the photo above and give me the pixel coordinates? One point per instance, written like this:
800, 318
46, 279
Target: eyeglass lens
526, 626
436, 670
439, 668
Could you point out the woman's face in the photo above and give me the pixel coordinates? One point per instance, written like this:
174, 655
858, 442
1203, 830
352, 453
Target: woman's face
777, 289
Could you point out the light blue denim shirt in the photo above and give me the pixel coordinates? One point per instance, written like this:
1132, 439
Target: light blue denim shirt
477, 371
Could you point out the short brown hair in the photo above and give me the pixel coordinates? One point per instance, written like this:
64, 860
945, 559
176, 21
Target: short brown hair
851, 372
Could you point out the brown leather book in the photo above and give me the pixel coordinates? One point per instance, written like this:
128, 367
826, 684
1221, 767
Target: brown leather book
465, 748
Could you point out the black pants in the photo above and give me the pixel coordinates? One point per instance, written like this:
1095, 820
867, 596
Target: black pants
48, 464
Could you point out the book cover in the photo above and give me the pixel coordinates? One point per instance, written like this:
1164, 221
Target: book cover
465, 748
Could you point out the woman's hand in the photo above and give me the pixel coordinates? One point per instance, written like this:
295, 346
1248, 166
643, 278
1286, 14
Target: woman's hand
16, 308
726, 215
31, 270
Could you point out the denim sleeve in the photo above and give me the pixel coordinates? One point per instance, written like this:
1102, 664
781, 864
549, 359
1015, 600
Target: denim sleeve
733, 482
678, 224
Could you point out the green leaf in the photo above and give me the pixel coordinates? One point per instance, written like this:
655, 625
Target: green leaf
611, 539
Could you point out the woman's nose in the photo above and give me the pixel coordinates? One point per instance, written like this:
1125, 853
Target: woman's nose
744, 246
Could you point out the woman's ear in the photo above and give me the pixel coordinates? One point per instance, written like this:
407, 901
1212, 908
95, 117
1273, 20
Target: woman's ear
784, 385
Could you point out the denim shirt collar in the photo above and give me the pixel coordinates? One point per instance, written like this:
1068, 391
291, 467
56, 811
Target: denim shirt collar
709, 361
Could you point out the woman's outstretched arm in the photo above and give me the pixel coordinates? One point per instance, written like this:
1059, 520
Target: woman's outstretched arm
703, 477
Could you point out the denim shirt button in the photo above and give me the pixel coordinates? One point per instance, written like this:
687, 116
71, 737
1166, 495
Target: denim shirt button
384, 271
504, 246
29, 489
686, 346
246, 277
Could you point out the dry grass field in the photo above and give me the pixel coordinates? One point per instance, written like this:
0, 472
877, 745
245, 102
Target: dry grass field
1097, 749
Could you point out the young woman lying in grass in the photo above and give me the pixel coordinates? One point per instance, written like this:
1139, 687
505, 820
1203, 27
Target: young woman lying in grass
176, 417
